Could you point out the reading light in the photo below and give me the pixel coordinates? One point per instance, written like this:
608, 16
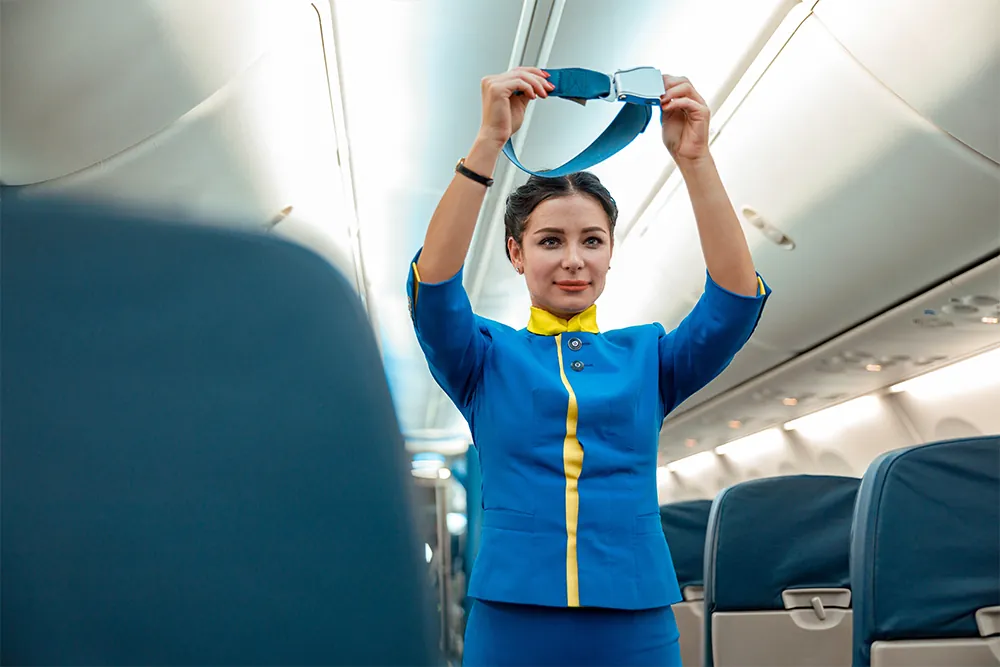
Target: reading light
457, 523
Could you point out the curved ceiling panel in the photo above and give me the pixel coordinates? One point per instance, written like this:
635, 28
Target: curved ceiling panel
82, 81
263, 142
879, 203
411, 74
679, 38
943, 58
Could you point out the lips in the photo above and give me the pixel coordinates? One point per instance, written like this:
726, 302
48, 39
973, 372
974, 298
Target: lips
572, 285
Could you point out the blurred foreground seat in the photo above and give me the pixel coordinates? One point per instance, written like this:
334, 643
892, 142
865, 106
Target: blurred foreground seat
201, 461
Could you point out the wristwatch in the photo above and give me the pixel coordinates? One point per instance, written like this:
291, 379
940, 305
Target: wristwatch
468, 173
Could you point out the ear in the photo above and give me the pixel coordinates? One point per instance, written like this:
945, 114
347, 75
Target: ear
516, 256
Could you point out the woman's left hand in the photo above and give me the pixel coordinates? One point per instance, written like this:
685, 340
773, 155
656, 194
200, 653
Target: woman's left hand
684, 119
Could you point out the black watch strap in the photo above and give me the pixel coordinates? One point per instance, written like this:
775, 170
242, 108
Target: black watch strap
468, 173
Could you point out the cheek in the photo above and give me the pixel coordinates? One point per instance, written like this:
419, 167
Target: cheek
601, 261
539, 262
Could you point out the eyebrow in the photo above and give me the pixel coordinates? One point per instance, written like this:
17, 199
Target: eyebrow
556, 230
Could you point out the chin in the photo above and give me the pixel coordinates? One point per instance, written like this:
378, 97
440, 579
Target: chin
572, 303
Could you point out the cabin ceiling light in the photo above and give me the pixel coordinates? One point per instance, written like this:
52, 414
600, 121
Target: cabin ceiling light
835, 419
457, 523
692, 463
965, 376
765, 439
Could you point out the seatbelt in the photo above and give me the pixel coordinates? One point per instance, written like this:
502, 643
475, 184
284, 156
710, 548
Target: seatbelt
640, 88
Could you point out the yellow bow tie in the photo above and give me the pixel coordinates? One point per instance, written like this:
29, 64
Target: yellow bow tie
544, 323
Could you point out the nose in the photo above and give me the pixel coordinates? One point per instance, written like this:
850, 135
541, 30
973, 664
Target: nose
572, 259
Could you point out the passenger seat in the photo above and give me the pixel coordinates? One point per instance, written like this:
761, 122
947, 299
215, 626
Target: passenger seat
684, 526
925, 557
201, 460
777, 573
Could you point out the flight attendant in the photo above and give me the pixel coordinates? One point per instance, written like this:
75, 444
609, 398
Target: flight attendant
573, 567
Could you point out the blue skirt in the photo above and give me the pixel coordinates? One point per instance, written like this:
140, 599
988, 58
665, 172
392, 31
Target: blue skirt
513, 634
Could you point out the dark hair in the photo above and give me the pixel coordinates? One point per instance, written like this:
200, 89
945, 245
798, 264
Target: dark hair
522, 201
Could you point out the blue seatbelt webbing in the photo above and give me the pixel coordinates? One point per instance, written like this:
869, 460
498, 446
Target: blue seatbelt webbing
584, 84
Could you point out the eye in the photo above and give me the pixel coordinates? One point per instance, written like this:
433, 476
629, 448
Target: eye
594, 241
549, 241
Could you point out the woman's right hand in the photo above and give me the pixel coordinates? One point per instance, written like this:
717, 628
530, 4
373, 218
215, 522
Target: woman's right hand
503, 108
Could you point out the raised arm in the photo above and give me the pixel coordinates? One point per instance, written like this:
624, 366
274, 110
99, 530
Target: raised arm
722, 321
446, 328
450, 230
684, 121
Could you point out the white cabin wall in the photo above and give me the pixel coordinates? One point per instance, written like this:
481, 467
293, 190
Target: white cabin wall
849, 448
894, 421
959, 415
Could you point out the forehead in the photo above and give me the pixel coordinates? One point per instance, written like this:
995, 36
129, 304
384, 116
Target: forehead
569, 213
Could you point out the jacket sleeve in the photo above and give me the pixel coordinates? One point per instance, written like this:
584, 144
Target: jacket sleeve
452, 340
705, 342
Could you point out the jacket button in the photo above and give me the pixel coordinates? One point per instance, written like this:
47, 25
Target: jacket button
575, 344
577, 365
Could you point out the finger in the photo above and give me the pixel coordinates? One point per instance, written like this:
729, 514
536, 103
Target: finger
674, 81
539, 85
507, 86
533, 70
518, 86
684, 89
687, 104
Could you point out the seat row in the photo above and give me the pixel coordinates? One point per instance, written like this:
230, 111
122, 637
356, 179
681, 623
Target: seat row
901, 567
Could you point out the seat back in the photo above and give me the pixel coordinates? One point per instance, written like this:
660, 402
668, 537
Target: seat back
684, 526
925, 557
776, 573
201, 460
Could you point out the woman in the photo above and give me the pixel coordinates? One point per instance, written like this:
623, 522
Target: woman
573, 568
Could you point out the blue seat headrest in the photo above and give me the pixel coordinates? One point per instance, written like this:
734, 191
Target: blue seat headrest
925, 553
201, 460
684, 526
769, 535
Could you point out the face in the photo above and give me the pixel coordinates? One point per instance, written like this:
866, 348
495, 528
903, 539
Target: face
564, 253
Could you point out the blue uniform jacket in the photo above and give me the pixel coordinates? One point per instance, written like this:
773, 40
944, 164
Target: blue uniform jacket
566, 422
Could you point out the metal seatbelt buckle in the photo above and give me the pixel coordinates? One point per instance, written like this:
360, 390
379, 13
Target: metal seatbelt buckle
638, 85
